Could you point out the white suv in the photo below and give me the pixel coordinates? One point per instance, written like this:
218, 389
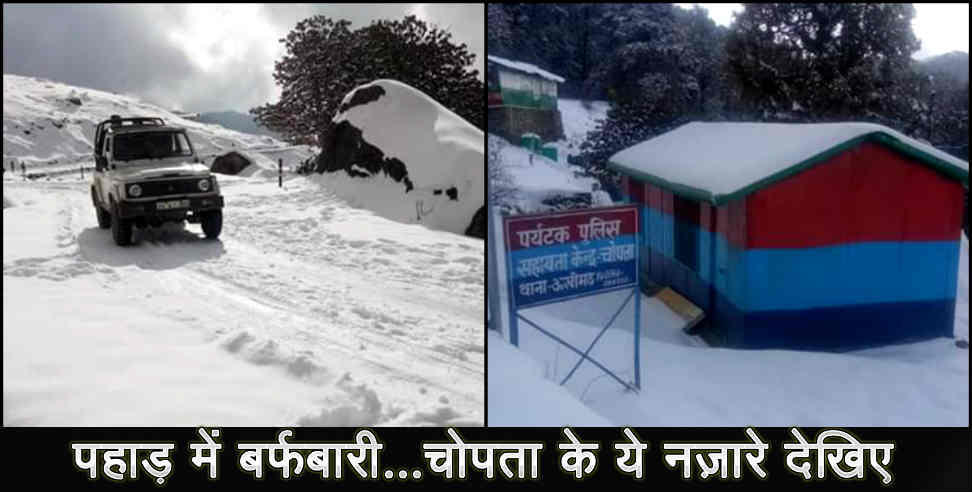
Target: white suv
146, 173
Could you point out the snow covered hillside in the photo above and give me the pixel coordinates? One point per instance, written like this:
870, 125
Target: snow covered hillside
686, 383
442, 155
307, 311
49, 127
532, 178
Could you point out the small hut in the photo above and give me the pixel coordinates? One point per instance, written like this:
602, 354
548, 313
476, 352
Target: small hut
231, 163
522, 98
807, 236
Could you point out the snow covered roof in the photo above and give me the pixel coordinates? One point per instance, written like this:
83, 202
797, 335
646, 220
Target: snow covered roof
719, 162
525, 68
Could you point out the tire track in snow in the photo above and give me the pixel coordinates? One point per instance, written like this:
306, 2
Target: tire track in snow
377, 346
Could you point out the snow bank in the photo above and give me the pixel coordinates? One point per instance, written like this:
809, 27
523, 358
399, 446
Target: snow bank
517, 385
439, 149
961, 328
723, 158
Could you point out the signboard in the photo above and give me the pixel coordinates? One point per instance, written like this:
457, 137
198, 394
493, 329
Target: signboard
560, 256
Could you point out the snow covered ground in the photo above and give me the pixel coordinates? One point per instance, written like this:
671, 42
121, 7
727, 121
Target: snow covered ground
686, 383
512, 376
306, 311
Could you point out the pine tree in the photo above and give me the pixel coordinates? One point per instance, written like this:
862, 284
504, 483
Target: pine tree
663, 73
425, 57
833, 60
325, 60
317, 66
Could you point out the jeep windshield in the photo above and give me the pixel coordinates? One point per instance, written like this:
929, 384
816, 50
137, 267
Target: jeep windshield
151, 145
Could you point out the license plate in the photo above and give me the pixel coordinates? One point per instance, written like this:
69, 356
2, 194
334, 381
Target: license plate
172, 204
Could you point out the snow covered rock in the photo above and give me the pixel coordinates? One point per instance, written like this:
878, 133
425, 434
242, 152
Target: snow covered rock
409, 158
477, 228
347, 150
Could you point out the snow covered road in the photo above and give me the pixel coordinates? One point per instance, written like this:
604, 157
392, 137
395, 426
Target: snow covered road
305, 312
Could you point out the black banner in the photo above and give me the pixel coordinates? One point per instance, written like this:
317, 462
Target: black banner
921, 458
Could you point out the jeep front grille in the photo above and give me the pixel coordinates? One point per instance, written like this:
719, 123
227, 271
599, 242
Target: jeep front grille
174, 187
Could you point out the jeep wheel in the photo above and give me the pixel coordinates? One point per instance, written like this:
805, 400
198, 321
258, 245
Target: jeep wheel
121, 229
104, 218
212, 223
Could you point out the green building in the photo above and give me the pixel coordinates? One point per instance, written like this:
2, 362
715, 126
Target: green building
522, 98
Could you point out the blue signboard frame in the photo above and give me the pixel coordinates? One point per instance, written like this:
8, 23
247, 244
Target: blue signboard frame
565, 252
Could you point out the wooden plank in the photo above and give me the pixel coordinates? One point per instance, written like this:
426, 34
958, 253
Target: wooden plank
682, 307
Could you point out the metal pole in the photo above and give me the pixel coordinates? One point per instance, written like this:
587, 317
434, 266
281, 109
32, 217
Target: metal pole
637, 314
511, 299
82, 171
637, 334
280, 173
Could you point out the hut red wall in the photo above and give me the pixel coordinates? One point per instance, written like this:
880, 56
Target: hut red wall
868, 193
859, 250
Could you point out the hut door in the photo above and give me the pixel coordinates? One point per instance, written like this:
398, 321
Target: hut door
687, 233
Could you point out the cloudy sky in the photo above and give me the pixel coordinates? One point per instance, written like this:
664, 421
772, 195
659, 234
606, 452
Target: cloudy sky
941, 27
205, 57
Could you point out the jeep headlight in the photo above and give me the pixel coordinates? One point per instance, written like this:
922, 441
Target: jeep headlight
134, 191
204, 184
